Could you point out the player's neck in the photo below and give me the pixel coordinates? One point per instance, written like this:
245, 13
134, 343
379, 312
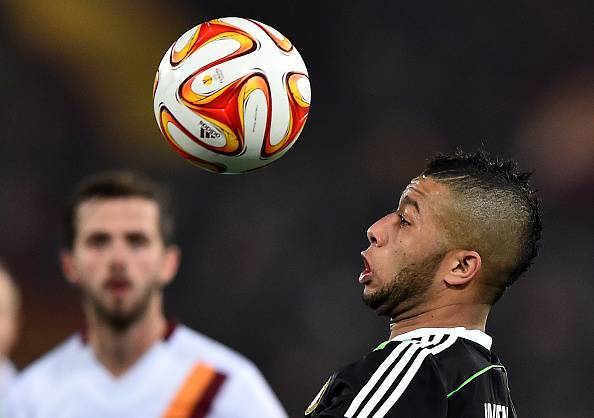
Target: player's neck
119, 350
470, 316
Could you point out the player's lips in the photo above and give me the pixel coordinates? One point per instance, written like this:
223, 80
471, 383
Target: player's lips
365, 276
117, 285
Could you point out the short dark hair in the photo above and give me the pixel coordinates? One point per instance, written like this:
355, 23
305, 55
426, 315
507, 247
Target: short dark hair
118, 184
500, 211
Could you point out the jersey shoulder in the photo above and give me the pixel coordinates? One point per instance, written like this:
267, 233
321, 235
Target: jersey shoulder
243, 382
196, 347
476, 382
462, 360
40, 376
399, 378
59, 360
431, 372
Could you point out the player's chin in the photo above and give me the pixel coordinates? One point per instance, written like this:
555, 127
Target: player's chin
370, 287
367, 291
371, 296
118, 302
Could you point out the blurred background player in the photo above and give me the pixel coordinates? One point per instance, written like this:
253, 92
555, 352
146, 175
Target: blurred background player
130, 361
463, 231
10, 302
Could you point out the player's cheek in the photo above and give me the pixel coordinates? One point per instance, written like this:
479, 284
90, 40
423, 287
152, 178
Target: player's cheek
143, 270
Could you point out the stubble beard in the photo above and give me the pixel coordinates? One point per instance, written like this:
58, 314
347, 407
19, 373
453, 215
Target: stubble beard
408, 287
118, 317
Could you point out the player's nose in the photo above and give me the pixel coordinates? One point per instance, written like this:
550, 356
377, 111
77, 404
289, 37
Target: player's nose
117, 265
119, 253
376, 233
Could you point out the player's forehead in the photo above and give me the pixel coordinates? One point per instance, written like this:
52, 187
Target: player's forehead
423, 191
117, 214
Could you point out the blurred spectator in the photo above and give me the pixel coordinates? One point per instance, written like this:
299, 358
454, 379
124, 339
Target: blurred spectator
10, 303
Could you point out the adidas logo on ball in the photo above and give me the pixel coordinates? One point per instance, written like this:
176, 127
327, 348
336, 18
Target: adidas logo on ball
206, 132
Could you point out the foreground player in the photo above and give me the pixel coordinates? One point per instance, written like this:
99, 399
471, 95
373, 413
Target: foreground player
10, 305
464, 231
130, 362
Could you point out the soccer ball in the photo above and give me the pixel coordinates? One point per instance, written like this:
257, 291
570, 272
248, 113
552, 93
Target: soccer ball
231, 95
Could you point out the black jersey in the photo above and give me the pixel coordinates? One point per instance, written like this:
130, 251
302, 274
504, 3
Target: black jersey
426, 373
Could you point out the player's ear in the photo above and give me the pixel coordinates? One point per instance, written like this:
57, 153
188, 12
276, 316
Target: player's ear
68, 267
462, 266
170, 263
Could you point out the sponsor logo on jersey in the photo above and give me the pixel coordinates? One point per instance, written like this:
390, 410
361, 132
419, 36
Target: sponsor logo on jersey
493, 410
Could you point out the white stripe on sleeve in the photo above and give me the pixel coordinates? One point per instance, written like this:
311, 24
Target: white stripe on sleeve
375, 378
401, 387
411, 348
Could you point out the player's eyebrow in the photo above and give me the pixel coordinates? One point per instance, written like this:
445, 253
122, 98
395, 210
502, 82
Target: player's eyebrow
406, 200
97, 237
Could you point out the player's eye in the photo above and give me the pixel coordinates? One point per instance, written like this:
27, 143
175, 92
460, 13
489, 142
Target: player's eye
403, 220
137, 239
97, 240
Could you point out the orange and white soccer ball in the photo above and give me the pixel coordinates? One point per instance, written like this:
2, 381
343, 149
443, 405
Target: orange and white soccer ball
231, 95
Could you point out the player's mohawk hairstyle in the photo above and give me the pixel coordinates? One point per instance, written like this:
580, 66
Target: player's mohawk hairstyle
480, 165
499, 198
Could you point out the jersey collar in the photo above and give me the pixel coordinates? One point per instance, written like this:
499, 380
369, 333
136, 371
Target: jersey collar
474, 335
170, 328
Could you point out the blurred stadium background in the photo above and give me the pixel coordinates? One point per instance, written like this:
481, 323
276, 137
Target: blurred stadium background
271, 258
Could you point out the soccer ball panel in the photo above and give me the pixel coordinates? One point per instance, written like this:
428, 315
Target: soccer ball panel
202, 35
278, 38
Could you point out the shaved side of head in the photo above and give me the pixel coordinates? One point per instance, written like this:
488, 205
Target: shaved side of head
493, 210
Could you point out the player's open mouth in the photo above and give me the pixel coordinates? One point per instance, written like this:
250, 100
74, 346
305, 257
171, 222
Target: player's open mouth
117, 285
365, 275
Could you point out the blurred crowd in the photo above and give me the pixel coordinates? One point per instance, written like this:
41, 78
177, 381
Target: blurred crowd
272, 257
